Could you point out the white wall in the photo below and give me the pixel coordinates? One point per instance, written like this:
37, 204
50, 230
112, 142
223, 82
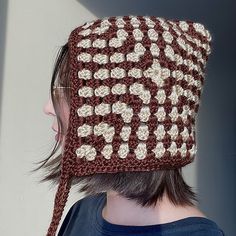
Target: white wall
35, 30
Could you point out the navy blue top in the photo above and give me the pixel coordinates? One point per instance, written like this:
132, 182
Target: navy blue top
85, 219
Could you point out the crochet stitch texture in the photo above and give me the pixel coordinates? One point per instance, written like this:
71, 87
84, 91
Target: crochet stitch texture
136, 83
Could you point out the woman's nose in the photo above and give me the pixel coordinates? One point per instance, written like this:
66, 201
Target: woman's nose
48, 108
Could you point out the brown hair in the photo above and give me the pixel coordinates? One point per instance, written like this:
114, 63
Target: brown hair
144, 187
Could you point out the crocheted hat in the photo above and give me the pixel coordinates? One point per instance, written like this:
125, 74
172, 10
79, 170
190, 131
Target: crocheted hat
136, 83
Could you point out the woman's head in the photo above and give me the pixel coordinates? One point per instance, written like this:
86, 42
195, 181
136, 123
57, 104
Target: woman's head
146, 188
127, 119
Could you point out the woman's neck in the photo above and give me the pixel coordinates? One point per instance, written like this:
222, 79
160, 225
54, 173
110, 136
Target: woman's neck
121, 211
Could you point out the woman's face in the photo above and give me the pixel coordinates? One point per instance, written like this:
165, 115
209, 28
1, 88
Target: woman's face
64, 115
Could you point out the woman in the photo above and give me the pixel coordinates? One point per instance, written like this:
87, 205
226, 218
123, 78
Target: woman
124, 95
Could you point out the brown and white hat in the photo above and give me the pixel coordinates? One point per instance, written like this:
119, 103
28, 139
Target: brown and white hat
136, 83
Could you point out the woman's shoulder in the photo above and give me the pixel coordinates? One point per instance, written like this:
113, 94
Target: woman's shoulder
205, 225
77, 210
85, 202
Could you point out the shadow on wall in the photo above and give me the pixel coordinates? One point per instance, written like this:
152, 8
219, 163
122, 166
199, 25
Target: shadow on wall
3, 24
216, 170
166, 8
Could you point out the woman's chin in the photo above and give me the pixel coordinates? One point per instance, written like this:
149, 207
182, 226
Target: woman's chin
57, 137
60, 139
